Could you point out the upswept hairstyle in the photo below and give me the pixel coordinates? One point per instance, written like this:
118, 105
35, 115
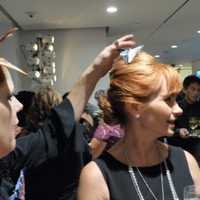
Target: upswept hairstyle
136, 83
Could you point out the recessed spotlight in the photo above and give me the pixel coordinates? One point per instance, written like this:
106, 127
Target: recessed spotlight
112, 9
157, 56
174, 46
198, 31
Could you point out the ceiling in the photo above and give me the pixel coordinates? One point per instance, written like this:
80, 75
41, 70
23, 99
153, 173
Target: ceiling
147, 19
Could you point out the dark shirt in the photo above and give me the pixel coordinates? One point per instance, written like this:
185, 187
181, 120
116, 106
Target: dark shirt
189, 110
52, 157
190, 144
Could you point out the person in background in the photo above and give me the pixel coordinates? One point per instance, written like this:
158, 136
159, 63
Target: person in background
59, 143
142, 99
43, 101
190, 105
26, 98
90, 120
108, 131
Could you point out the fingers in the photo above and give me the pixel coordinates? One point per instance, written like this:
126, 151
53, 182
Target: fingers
126, 41
127, 44
126, 37
8, 34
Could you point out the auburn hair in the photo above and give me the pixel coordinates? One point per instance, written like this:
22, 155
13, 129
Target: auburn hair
136, 83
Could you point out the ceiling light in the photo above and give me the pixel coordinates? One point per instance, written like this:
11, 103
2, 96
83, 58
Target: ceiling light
157, 56
198, 31
112, 9
174, 46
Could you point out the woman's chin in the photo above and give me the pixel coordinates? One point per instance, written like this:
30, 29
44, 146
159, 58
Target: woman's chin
170, 132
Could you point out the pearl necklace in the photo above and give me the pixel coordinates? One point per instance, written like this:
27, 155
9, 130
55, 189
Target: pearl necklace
136, 185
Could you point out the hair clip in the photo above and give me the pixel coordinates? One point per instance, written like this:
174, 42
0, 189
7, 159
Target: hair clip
129, 54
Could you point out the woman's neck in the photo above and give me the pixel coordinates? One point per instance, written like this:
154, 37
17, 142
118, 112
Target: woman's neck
136, 150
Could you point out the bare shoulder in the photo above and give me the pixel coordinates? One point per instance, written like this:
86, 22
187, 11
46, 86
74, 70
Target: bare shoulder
92, 185
193, 167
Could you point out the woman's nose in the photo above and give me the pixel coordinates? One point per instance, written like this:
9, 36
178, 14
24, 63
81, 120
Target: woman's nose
177, 110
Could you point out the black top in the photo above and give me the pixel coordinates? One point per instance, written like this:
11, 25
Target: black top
52, 157
121, 186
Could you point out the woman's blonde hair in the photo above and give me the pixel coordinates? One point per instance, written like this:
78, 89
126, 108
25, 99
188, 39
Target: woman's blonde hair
137, 82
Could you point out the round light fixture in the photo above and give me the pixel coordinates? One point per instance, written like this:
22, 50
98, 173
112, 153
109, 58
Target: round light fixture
50, 48
174, 46
112, 9
37, 74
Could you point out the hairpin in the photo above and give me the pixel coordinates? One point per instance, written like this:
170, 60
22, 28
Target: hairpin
129, 54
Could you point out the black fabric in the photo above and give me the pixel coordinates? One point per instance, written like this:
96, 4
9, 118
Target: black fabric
120, 184
191, 144
189, 110
52, 157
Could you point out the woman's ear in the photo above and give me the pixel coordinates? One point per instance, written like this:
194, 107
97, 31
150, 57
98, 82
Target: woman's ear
133, 110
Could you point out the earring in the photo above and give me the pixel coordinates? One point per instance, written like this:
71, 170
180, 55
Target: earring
137, 116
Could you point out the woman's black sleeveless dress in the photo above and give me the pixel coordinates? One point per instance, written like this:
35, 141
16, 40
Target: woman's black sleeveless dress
121, 186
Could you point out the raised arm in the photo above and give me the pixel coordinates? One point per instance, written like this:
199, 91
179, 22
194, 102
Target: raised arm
84, 87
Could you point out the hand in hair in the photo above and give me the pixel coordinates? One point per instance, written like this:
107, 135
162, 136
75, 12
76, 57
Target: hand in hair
82, 90
106, 57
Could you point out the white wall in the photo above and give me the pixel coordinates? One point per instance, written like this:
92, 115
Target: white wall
75, 50
9, 49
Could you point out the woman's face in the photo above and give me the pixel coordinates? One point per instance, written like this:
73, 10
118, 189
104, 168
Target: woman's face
9, 106
159, 114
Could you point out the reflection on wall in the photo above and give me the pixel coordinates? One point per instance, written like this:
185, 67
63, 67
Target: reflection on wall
185, 70
195, 65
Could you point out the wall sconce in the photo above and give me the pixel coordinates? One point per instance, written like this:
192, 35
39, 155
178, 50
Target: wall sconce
40, 56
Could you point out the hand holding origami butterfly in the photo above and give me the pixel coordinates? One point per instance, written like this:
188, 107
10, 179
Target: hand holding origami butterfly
105, 59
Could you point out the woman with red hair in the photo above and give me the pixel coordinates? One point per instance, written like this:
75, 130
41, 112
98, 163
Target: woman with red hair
142, 99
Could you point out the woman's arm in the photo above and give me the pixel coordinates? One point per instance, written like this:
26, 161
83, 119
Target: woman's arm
92, 185
194, 168
84, 87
